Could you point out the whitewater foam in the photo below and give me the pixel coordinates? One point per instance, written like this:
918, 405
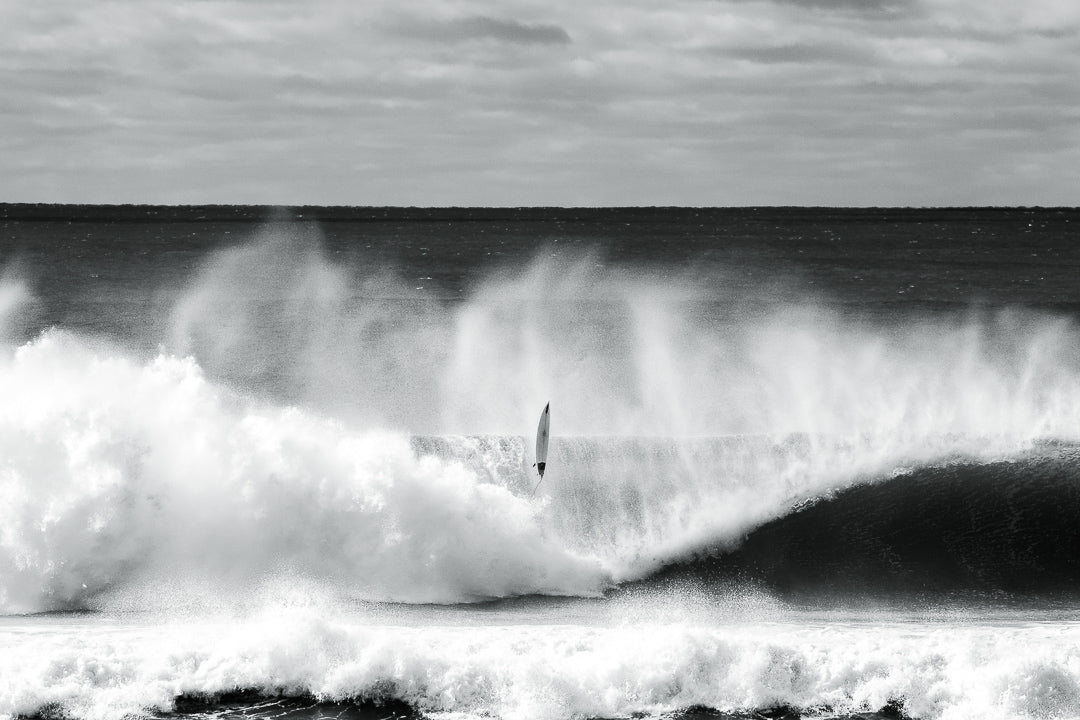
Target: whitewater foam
120, 475
966, 670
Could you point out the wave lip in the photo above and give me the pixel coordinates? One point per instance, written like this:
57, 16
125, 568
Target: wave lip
1007, 528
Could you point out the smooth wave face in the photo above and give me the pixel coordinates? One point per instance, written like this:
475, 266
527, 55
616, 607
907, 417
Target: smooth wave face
1001, 529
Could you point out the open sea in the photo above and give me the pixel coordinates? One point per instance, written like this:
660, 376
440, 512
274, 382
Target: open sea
277, 463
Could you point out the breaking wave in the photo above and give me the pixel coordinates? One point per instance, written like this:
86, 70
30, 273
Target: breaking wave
309, 425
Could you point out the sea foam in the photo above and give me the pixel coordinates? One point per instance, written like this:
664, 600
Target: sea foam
989, 671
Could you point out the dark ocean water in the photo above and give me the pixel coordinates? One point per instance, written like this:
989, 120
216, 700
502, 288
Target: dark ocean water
278, 462
866, 260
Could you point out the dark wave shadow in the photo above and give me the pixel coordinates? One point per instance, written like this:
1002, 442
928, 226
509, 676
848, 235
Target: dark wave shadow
997, 530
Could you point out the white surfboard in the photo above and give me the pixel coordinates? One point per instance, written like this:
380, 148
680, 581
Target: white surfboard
542, 445
542, 440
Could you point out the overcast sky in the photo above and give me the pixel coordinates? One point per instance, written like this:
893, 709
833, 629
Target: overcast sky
553, 102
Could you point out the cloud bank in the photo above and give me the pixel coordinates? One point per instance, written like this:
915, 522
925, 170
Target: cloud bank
697, 102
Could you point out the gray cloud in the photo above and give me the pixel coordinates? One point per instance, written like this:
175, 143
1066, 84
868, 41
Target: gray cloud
797, 53
395, 102
869, 8
480, 27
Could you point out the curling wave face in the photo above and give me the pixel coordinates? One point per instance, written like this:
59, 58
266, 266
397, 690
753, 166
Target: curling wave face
1001, 530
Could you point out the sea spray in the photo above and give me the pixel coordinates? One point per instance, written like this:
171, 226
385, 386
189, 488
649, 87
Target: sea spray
279, 318
619, 350
280, 430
